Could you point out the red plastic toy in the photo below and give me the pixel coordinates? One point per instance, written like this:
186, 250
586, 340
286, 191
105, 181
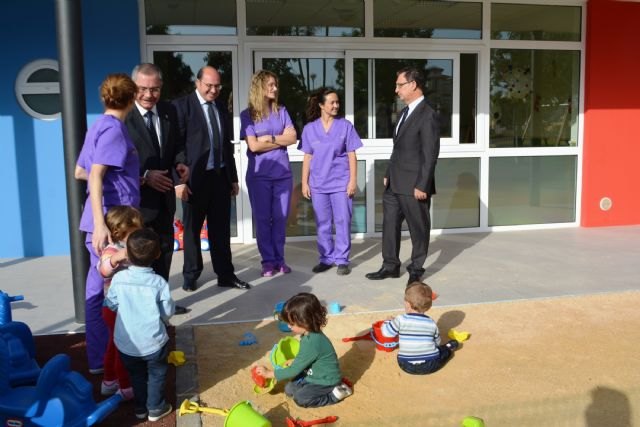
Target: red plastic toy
178, 235
299, 423
257, 378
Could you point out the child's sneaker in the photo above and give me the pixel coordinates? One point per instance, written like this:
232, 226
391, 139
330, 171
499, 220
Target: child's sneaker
107, 388
127, 394
341, 391
452, 345
156, 414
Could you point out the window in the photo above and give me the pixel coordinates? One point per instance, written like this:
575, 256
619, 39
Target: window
191, 17
38, 89
535, 22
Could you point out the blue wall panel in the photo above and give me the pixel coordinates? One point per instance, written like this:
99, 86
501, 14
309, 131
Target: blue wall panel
34, 212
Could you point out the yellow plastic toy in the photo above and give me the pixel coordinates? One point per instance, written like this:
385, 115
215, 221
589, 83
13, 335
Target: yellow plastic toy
458, 335
176, 358
242, 414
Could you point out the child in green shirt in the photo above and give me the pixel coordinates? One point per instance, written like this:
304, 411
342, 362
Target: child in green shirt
315, 373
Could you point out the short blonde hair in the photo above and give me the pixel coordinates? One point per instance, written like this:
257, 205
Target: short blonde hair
419, 295
122, 221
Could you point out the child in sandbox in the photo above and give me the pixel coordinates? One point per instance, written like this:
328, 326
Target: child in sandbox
315, 372
419, 349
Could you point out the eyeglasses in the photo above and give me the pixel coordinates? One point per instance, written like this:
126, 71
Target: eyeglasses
399, 85
210, 86
151, 90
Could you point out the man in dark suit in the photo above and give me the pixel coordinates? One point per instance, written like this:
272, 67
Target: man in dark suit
153, 127
203, 126
409, 181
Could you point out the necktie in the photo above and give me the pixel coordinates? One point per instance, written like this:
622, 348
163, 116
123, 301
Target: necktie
403, 116
148, 122
215, 135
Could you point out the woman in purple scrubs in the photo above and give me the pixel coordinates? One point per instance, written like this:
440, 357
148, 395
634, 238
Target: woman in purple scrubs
268, 130
109, 162
329, 144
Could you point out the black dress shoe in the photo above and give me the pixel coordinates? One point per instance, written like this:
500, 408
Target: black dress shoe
321, 267
414, 278
383, 273
233, 282
181, 310
189, 285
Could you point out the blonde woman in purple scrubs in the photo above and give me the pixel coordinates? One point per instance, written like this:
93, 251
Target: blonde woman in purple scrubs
329, 169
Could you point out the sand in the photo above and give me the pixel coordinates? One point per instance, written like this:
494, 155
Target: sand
548, 362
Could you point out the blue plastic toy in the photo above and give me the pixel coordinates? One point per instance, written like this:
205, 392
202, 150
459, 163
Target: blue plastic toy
61, 397
5, 306
249, 339
276, 314
17, 338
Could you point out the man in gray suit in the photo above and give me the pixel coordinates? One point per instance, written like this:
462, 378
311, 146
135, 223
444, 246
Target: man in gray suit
410, 178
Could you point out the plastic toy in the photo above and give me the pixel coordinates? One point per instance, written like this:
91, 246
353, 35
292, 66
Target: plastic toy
61, 397
204, 237
299, 423
458, 335
276, 314
17, 338
5, 306
286, 349
176, 358
242, 414
375, 334
334, 307
262, 384
472, 422
249, 339
178, 235
257, 378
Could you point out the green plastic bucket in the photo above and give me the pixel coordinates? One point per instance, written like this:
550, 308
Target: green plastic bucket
286, 349
472, 422
243, 415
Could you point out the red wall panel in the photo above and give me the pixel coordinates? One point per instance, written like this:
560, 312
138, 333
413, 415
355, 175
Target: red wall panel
611, 161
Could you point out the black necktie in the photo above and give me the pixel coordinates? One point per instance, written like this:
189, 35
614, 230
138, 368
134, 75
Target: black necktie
403, 116
148, 122
215, 131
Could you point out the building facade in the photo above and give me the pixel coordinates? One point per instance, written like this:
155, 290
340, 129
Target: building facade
537, 100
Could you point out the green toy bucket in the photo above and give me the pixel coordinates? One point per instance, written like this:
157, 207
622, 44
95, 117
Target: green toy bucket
286, 349
243, 415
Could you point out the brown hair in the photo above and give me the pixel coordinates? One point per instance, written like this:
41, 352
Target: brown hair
118, 91
315, 99
419, 296
143, 247
305, 310
257, 93
122, 220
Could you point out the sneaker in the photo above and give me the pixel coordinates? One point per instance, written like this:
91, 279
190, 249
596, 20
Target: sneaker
341, 391
96, 371
321, 267
127, 394
267, 270
156, 414
284, 268
141, 413
452, 345
107, 388
343, 269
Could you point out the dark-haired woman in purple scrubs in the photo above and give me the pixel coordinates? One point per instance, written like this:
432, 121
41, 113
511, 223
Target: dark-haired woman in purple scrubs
329, 170
268, 130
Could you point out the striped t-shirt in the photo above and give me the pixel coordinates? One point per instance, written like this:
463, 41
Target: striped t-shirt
418, 336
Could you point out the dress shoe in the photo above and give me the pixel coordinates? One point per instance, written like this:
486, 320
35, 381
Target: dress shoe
189, 285
181, 310
321, 267
233, 282
414, 278
383, 273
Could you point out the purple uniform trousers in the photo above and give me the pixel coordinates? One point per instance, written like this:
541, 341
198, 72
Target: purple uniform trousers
97, 334
336, 208
270, 201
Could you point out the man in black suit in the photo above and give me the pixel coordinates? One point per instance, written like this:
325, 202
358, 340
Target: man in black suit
153, 127
203, 126
409, 181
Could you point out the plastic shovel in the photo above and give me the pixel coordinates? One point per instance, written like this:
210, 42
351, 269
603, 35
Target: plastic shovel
189, 407
299, 423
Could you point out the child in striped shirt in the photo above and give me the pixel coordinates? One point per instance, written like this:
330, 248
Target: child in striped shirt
419, 349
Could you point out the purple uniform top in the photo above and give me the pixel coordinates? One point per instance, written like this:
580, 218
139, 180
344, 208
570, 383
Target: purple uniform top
108, 143
329, 168
272, 164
